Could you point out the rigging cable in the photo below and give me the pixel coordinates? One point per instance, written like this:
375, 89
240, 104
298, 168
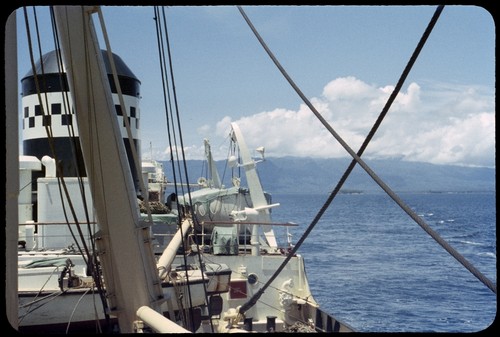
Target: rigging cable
194, 218
74, 309
130, 138
60, 174
357, 159
92, 260
48, 127
45, 113
172, 139
169, 117
71, 133
36, 299
148, 259
161, 49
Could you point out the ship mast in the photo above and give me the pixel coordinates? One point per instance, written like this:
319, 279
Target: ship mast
125, 251
259, 202
213, 175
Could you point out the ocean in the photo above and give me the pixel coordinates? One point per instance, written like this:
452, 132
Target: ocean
371, 266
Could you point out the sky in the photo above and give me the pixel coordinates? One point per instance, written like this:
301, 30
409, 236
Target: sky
345, 59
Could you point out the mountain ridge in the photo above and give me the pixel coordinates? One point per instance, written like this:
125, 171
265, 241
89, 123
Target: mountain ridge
287, 175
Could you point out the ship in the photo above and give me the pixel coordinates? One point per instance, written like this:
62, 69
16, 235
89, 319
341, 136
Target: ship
104, 243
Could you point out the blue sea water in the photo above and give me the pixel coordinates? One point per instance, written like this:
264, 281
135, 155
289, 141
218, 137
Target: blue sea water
371, 266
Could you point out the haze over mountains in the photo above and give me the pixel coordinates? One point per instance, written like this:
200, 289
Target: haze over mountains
311, 175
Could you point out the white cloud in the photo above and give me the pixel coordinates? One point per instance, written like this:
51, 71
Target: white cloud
190, 152
431, 122
448, 126
347, 88
434, 123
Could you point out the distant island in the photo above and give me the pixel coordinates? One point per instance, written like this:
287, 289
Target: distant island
313, 175
348, 191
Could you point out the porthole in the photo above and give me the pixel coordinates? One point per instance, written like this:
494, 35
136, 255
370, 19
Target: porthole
252, 278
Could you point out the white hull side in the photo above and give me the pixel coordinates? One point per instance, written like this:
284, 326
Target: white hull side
59, 311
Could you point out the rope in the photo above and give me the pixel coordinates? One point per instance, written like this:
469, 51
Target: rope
73, 140
357, 159
92, 257
48, 128
170, 110
161, 49
60, 175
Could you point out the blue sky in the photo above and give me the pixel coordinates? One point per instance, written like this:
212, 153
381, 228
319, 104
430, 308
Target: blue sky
345, 59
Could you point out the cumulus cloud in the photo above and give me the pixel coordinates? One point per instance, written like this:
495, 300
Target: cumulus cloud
430, 122
175, 152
